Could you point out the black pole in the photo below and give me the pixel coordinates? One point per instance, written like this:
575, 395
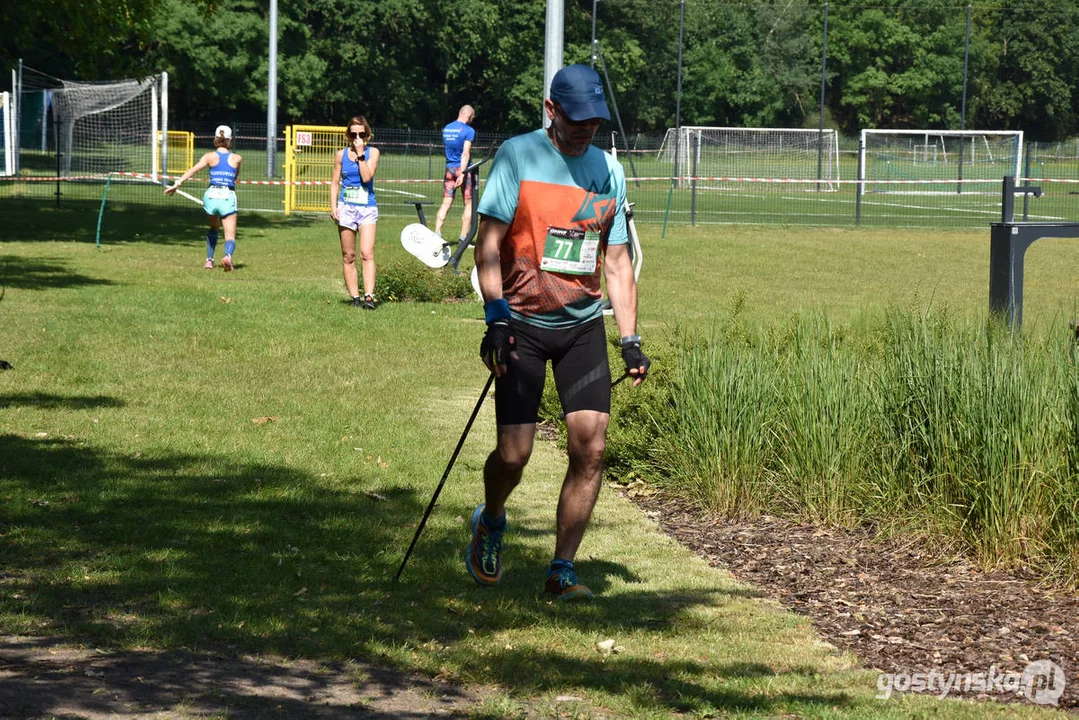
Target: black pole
1007, 200
963, 103
473, 171
56, 136
823, 75
678, 92
453, 458
617, 116
677, 119
1026, 183
593, 58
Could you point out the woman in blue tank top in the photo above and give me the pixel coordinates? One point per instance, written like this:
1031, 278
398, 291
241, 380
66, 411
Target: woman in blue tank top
219, 200
354, 209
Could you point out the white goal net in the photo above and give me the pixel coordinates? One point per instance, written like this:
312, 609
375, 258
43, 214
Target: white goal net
7, 135
774, 153
925, 162
106, 127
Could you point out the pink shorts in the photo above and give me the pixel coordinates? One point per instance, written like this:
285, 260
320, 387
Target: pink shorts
355, 216
449, 184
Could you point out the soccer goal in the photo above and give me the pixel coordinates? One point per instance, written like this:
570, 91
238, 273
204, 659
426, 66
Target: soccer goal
932, 162
792, 153
106, 127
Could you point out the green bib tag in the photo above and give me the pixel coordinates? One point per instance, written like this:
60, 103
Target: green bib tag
355, 196
570, 250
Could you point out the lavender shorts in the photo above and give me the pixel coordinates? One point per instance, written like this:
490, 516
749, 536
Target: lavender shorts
355, 216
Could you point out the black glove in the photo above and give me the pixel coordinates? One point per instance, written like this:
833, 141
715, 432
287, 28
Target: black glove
497, 344
632, 355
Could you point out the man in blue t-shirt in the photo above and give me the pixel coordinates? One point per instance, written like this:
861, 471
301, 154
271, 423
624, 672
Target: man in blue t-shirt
457, 137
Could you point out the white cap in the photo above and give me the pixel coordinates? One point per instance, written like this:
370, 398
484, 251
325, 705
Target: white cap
223, 131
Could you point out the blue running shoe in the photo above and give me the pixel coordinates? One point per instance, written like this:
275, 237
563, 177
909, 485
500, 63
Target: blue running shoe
562, 583
484, 556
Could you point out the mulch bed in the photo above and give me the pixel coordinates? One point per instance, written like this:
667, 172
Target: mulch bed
893, 605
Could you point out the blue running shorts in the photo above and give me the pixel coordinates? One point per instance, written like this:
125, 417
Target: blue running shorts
220, 201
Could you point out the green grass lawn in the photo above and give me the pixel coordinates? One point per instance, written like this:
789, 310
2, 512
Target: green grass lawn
237, 462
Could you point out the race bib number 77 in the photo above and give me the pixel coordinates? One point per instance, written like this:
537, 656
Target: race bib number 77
570, 250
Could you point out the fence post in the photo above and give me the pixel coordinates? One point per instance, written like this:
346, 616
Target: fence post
693, 180
56, 129
1007, 200
859, 187
1026, 183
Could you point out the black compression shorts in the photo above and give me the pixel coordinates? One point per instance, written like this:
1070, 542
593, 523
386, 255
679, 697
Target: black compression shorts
578, 358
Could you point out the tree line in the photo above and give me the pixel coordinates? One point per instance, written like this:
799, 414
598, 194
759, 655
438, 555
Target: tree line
412, 63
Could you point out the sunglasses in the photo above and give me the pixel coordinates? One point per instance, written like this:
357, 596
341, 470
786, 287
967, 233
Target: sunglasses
357, 135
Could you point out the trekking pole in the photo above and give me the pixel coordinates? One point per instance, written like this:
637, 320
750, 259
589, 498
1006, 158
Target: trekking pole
453, 459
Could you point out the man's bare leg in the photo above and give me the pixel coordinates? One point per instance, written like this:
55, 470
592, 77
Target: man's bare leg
443, 212
587, 438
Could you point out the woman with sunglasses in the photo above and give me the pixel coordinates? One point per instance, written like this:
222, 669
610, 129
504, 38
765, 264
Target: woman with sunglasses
353, 208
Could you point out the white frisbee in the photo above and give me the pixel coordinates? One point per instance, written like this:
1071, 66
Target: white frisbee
423, 243
476, 282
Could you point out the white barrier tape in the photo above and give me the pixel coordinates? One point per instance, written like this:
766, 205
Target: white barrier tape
822, 181
147, 176
285, 182
684, 179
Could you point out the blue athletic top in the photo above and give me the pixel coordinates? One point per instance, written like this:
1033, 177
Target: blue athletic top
350, 178
454, 137
222, 174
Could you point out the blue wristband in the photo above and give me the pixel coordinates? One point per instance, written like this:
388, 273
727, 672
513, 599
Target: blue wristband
496, 310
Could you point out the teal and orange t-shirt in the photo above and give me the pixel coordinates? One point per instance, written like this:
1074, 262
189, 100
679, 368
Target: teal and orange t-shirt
562, 211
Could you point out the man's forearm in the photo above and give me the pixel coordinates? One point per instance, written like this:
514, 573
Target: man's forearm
622, 290
488, 262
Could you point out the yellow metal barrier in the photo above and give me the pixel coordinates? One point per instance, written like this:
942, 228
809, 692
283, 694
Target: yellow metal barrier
181, 151
309, 156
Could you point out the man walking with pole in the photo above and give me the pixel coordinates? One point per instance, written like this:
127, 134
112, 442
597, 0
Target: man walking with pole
553, 216
457, 138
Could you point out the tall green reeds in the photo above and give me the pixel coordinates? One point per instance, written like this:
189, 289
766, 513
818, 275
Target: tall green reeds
960, 430
715, 436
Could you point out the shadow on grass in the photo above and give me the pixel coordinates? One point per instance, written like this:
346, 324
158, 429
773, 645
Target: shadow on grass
196, 551
48, 401
104, 684
123, 221
672, 685
25, 273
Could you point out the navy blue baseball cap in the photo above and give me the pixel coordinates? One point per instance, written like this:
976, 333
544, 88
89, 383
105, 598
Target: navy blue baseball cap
578, 90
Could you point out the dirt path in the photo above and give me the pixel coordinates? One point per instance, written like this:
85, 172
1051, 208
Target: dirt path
42, 678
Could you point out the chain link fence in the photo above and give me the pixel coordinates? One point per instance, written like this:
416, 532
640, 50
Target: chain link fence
719, 191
